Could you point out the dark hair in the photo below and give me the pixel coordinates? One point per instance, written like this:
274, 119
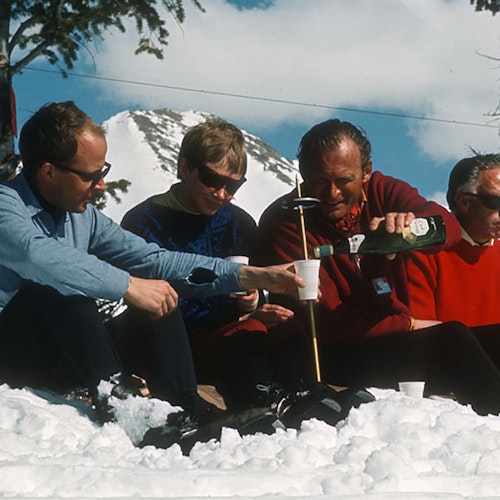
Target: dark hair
51, 134
465, 174
210, 142
326, 136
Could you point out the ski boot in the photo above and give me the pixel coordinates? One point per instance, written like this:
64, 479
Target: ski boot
200, 422
122, 386
323, 403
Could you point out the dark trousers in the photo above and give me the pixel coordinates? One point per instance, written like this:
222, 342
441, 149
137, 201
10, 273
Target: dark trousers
158, 351
233, 358
241, 358
451, 358
60, 342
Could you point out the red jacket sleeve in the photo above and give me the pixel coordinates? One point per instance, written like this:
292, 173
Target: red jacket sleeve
386, 194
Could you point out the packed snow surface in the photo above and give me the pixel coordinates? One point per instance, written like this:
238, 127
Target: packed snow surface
424, 448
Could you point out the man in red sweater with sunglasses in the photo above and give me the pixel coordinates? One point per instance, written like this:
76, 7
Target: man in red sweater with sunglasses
463, 283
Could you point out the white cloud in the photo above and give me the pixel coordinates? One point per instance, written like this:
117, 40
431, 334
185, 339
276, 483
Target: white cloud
439, 197
417, 57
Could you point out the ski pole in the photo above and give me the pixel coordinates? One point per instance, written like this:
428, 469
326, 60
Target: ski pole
310, 304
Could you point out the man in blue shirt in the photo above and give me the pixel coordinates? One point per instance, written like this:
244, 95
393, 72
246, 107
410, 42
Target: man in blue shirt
58, 254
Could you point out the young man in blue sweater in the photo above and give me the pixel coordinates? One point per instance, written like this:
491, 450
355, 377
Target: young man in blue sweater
228, 334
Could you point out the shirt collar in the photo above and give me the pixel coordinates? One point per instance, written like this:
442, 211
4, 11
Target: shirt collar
34, 201
466, 236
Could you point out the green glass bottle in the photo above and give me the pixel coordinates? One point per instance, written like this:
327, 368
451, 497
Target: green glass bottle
422, 232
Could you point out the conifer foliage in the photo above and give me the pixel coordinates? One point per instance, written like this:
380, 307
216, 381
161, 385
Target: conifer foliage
492, 5
57, 30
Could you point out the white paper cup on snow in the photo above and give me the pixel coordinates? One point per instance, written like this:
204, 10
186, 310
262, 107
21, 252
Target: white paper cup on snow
239, 259
308, 270
412, 389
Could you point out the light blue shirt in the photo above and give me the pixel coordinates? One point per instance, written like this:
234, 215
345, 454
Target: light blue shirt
89, 254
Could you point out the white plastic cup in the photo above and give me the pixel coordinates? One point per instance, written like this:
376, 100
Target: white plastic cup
412, 389
239, 259
308, 270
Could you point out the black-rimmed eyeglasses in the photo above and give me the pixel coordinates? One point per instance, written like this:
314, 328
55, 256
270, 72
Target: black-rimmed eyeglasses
489, 200
93, 177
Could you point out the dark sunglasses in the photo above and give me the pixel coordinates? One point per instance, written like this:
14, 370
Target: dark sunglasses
214, 181
489, 200
94, 177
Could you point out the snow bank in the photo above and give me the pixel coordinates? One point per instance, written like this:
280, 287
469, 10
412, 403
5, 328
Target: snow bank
429, 448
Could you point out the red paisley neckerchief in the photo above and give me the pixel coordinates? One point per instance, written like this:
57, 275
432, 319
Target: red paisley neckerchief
345, 226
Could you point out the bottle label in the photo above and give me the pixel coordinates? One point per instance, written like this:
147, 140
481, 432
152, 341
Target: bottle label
422, 232
355, 242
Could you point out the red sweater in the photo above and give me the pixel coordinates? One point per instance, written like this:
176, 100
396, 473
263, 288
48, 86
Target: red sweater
350, 309
459, 284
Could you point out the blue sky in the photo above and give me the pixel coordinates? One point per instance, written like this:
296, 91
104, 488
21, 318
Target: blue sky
285, 65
